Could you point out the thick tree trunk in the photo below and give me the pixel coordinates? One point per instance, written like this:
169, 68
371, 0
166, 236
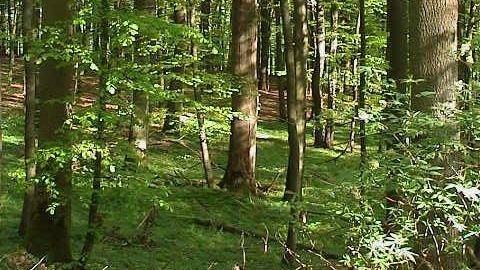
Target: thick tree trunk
433, 34
397, 57
432, 52
29, 105
46, 233
240, 173
318, 72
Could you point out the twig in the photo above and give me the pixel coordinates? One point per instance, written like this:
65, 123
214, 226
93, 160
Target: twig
265, 240
329, 264
38, 263
242, 245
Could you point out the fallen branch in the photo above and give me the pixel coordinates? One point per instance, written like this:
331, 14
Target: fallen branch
231, 228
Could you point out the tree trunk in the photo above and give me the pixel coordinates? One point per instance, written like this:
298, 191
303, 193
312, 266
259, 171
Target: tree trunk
12, 28
240, 173
172, 119
265, 30
433, 42
141, 103
93, 221
29, 104
354, 89
397, 58
46, 233
296, 99
291, 185
332, 78
205, 18
318, 72
433, 33
202, 132
363, 83
280, 64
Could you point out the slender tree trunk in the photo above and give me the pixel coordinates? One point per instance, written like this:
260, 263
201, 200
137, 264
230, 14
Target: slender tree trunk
202, 132
141, 103
12, 28
93, 221
265, 30
332, 78
466, 26
354, 64
46, 233
280, 64
291, 185
172, 119
318, 73
240, 173
29, 105
363, 83
293, 191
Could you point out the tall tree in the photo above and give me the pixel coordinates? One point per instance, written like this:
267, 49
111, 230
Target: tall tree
103, 59
265, 30
328, 135
318, 72
280, 64
397, 43
363, 81
240, 173
297, 115
50, 233
397, 57
29, 105
433, 36
139, 121
202, 131
174, 106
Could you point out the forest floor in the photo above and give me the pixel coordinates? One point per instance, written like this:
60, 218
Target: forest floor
195, 227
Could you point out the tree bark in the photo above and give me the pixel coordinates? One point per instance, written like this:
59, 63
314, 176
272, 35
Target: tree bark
297, 124
202, 132
93, 221
29, 106
318, 72
397, 58
280, 64
172, 119
139, 121
240, 173
363, 83
332, 78
266, 32
46, 233
433, 44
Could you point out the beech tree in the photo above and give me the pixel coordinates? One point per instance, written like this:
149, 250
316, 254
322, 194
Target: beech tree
48, 231
240, 173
